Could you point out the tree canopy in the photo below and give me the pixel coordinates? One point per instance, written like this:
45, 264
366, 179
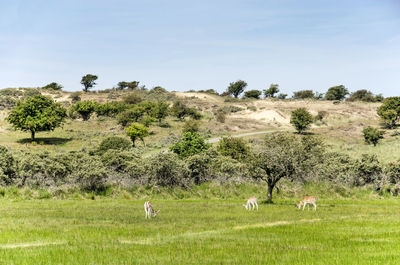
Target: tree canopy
271, 91
37, 113
301, 119
88, 81
336, 93
389, 111
137, 131
237, 88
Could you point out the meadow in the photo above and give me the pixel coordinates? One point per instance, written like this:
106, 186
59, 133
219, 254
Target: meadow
114, 231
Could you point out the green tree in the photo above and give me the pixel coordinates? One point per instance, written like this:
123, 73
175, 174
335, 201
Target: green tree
190, 144
282, 96
362, 95
271, 91
180, 110
336, 93
301, 119
303, 94
130, 115
372, 135
233, 147
237, 88
285, 155
53, 86
252, 94
85, 108
191, 125
88, 81
160, 110
37, 113
389, 111
137, 131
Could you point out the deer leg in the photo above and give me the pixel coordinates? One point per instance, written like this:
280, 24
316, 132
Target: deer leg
308, 206
304, 206
257, 205
315, 206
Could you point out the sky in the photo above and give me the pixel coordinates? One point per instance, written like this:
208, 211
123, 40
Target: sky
184, 45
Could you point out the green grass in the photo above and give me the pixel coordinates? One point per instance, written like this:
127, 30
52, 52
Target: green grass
114, 231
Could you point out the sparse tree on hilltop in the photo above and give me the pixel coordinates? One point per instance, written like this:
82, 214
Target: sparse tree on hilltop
252, 94
237, 88
88, 81
336, 93
53, 86
271, 91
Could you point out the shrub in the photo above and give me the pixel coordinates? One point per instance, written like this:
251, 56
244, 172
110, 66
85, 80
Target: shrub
165, 169
389, 111
231, 108
368, 170
190, 144
12, 92
180, 110
372, 135
85, 108
233, 147
191, 126
282, 96
75, 97
160, 111
53, 86
7, 102
132, 98
321, 115
252, 94
114, 143
220, 116
137, 131
336, 93
301, 119
131, 115
304, 94
110, 109
362, 95
7, 166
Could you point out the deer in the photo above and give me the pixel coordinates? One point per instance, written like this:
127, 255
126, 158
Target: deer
148, 208
251, 202
307, 200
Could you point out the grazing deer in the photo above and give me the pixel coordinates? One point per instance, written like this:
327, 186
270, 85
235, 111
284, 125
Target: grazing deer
251, 202
148, 208
307, 200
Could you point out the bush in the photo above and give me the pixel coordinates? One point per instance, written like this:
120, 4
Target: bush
237, 88
301, 119
114, 143
75, 97
191, 126
190, 144
321, 115
180, 110
233, 147
336, 93
231, 108
304, 94
165, 169
7, 102
53, 86
363, 95
372, 135
389, 111
282, 96
132, 98
7, 166
110, 109
220, 116
131, 115
271, 91
252, 94
85, 108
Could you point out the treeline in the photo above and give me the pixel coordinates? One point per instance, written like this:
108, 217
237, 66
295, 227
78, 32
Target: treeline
115, 163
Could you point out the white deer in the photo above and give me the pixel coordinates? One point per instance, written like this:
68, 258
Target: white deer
307, 200
148, 208
251, 202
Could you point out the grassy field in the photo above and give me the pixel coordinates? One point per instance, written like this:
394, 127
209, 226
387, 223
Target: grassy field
114, 231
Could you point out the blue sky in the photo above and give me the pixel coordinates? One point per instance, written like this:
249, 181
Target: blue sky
182, 45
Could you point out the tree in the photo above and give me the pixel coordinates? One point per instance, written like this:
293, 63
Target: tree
130, 115
271, 91
252, 94
37, 113
233, 147
285, 155
303, 94
180, 110
336, 93
389, 111
53, 86
132, 98
135, 131
190, 144
160, 110
88, 81
129, 85
372, 135
362, 95
237, 88
282, 96
301, 119
85, 108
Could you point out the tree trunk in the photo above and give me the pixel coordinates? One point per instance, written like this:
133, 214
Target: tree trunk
269, 194
32, 135
133, 139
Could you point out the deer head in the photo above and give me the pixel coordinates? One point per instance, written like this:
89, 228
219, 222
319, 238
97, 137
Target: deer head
245, 206
155, 213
